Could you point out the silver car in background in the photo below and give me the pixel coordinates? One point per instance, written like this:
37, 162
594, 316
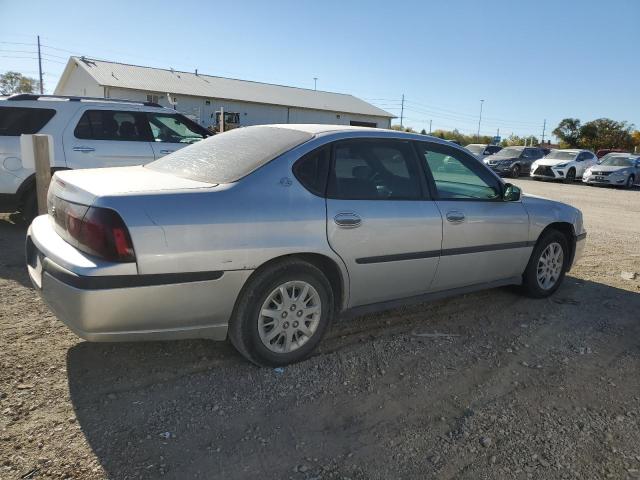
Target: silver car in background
614, 169
265, 234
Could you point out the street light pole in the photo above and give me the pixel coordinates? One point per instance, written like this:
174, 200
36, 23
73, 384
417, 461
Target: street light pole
315, 83
480, 120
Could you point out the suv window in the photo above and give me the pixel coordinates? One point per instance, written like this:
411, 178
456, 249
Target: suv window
491, 149
15, 121
456, 176
113, 125
166, 127
374, 170
583, 156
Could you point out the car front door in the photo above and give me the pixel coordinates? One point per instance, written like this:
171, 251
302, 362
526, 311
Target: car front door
379, 221
484, 238
171, 132
98, 138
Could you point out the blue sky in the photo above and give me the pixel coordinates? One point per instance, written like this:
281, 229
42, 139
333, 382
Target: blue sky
529, 60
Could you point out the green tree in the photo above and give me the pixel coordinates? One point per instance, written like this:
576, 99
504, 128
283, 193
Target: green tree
14, 82
402, 129
606, 133
423, 132
568, 131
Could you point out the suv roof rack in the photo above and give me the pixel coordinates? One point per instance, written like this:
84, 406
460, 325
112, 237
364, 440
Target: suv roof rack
33, 96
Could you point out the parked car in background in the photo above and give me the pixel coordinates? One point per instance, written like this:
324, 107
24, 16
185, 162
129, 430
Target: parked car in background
481, 150
604, 151
567, 165
266, 233
513, 161
618, 169
87, 133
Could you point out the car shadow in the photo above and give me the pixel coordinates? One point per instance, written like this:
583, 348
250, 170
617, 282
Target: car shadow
12, 263
190, 409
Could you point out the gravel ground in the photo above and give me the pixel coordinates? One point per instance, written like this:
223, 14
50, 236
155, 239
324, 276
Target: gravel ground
513, 388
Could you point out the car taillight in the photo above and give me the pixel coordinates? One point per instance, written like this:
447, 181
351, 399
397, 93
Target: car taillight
103, 233
94, 230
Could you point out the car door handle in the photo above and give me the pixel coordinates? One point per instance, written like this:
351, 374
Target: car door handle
165, 152
347, 220
84, 149
455, 217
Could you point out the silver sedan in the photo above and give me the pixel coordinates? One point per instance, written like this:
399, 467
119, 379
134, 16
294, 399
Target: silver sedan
266, 234
614, 169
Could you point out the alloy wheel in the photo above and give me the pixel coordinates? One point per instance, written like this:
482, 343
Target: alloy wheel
289, 316
550, 266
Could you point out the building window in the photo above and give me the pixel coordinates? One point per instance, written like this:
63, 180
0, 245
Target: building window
153, 98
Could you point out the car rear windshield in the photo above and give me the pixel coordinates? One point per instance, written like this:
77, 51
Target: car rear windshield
15, 121
229, 156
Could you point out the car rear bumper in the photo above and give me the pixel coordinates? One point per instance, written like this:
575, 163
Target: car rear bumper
132, 307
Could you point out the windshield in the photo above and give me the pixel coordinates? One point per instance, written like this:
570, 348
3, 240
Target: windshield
227, 157
509, 152
475, 149
561, 155
616, 161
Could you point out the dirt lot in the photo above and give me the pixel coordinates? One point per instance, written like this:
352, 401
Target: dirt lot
519, 389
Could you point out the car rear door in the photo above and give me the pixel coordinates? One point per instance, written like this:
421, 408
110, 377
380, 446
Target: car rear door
484, 238
380, 221
100, 137
172, 131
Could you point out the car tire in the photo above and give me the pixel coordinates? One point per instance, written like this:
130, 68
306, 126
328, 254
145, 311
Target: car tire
545, 264
515, 171
630, 182
250, 330
571, 176
29, 209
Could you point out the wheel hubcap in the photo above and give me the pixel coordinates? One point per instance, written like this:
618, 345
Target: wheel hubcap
550, 266
297, 298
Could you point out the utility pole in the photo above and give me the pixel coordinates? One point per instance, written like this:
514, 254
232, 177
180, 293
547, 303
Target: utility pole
315, 83
40, 66
430, 121
480, 119
402, 110
544, 127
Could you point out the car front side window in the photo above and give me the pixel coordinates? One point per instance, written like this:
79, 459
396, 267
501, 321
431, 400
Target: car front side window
457, 177
374, 170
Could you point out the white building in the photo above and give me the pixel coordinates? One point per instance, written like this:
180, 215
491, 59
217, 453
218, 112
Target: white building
201, 96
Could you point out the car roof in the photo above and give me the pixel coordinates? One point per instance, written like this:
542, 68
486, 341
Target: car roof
27, 99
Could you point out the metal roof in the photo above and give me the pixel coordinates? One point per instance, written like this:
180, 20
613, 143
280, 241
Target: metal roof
113, 74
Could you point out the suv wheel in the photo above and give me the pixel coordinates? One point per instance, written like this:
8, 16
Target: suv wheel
547, 266
571, 176
630, 181
282, 314
515, 171
29, 209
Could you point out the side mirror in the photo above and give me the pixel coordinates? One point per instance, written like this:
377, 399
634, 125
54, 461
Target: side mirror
511, 193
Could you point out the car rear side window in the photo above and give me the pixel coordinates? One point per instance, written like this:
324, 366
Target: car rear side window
113, 125
16, 121
312, 169
374, 170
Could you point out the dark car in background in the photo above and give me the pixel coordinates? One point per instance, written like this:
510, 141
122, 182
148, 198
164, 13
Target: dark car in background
604, 151
513, 161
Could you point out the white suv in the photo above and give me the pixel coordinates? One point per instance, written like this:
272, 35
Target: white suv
87, 133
